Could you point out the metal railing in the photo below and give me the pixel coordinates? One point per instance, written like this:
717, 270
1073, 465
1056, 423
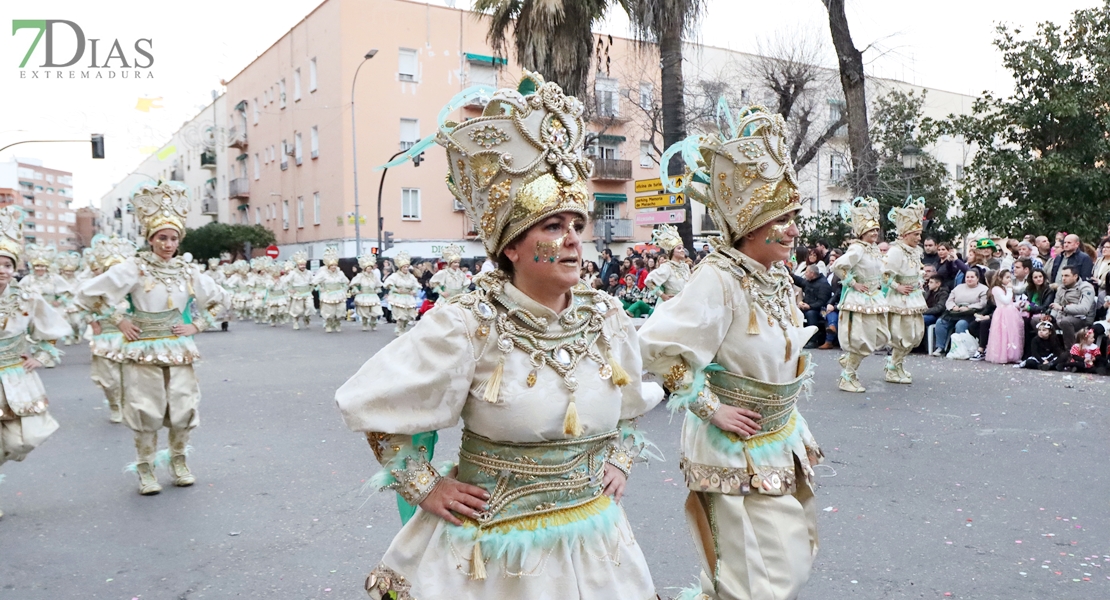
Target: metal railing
239, 188
612, 169
621, 229
208, 159
236, 138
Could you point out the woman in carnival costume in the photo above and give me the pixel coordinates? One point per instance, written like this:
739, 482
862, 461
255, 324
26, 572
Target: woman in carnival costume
450, 281
365, 287
670, 277
863, 326
277, 294
169, 300
41, 280
905, 299
68, 263
260, 281
28, 325
730, 350
299, 281
535, 365
332, 284
106, 345
238, 284
403, 287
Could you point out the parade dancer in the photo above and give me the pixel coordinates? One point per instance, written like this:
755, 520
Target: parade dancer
332, 284
239, 283
670, 277
28, 324
449, 282
531, 511
365, 287
47, 284
863, 307
277, 294
730, 350
106, 345
68, 264
299, 281
905, 299
216, 272
259, 283
169, 300
402, 286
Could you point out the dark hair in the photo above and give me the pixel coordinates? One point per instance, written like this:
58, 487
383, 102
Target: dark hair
822, 242
505, 265
945, 245
929, 238
1026, 262
607, 252
1074, 271
937, 278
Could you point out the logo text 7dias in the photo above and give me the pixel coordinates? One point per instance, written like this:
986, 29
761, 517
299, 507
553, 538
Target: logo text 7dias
92, 58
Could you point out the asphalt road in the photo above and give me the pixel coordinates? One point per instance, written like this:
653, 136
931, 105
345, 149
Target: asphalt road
979, 481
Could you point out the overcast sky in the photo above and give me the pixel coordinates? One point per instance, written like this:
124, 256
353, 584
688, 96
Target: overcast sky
944, 44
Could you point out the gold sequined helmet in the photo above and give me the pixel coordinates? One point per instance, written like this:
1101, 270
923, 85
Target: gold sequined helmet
402, 259
862, 214
213, 263
68, 261
331, 256
112, 250
40, 256
161, 206
451, 253
520, 162
11, 232
666, 237
367, 261
909, 218
300, 257
743, 175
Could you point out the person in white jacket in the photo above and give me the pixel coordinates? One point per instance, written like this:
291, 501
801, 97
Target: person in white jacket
332, 285
365, 287
902, 274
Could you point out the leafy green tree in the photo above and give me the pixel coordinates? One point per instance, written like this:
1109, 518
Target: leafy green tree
1042, 154
214, 239
825, 225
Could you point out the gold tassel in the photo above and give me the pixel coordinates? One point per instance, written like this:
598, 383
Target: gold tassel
477, 565
789, 347
753, 321
620, 376
571, 424
493, 385
169, 301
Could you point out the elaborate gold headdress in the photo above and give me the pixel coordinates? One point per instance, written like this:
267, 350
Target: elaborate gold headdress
109, 251
402, 259
520, 162
68, 261
213, 263
11, 232
161, 206
743, 176
451, 253
241, 266
289, 265
40, 256
909, 218
300, 257
862, 214
666, 237
367, 261
331, 256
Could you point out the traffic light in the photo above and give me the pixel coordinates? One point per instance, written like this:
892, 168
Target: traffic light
416, 160
97, 145
608, 231
387, 243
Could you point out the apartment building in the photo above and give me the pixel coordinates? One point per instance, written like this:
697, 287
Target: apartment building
195, 156
46, 195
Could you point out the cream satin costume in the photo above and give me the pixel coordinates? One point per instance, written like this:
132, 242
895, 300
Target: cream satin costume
277, 294
28, 325
734, 336
68, 263
863, 314
670, 276
544, 398
365, 287
239, 284
332, 285
906, 322
49, 285
299, 281
402, 288
159, 385
449, 281
106, 360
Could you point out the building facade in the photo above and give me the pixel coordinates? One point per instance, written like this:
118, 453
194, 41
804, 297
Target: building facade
46, 194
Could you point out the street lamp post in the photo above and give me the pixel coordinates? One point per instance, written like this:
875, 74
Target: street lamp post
354, 148
911, 156
416, 160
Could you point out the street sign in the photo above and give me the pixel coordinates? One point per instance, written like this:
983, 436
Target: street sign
660, 200
660, 216
272, 251
655, 185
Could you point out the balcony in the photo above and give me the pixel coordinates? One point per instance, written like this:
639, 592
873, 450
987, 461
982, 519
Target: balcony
621, 229
208, 159
208, 207
237, 138
177, 174
239, 188
707, 224
612, 169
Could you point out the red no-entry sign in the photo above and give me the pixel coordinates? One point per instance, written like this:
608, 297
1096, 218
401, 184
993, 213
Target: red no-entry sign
272, 251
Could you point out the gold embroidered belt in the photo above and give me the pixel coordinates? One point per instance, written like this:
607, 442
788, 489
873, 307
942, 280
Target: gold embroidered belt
11, 351
107, 326
912, 280
334, 287
528, 480
302, 290
773, 401
156, 325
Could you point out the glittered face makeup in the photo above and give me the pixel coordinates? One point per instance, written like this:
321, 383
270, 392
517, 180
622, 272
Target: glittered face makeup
777, 234
549, 251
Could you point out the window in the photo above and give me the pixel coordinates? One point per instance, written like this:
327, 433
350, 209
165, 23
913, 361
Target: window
284, 154
406, 65
254, 111
835, 206
483, 74
281, 93
257, 167
609, 211
285, 214
836, 169
836, 111
49, 204
312, 74
959, 172
314, 142
266, 96
49, 178
316, 208
300, 212
51, 229
410, 204
296, 85
604, 150
645, 154
50, 216
608, 97
410, 133
646, 95
63, 229
297, 147
258, 216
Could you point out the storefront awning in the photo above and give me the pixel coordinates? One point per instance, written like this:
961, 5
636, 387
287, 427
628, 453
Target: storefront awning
482, 58
611, 198
611, 139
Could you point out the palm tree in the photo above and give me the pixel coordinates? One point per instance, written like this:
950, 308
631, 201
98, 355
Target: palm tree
555, 39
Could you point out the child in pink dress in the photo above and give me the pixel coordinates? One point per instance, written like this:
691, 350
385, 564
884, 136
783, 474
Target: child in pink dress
1007, 336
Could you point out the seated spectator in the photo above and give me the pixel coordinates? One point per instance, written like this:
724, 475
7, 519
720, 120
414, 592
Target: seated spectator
929, 257
935, 297
832, 315
950, 266
1022, 268
811, 259
816, 294
929, 271
634, 299
1083, 354
614, 285
1045, 349
1028, 250
1074, 305
1071, 255
963, 304
1102, 266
